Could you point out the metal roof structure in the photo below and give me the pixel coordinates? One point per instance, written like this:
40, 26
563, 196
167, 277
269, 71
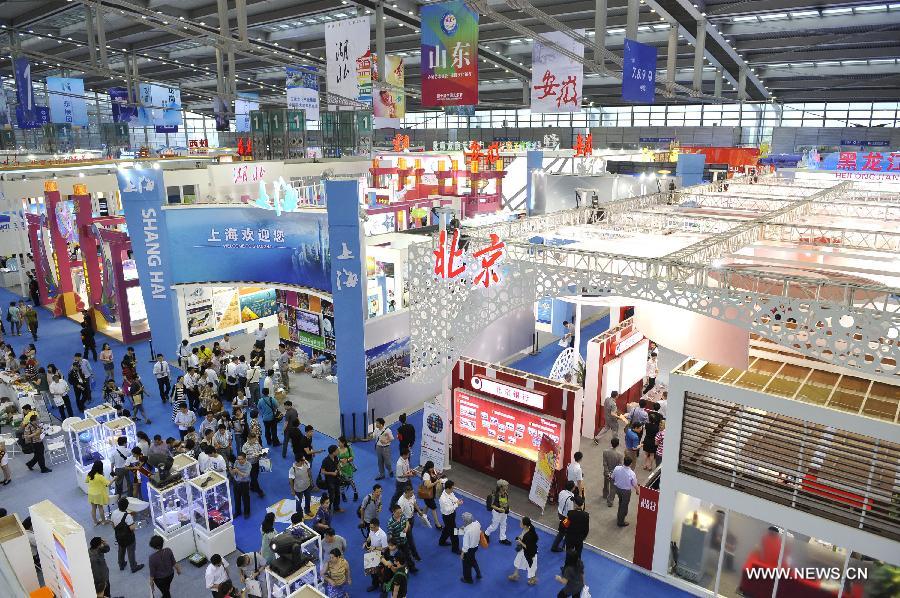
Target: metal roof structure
792, 50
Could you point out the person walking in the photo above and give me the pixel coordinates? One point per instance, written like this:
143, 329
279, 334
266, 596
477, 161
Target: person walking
398, 528
162, 374
633, 442
300, 480
625, 481
376, 540
163, 566
572, 577
59, 391
254, 450
31, 320
240, 473
470, 543
498, 505
268, 411
98, 492
449, 504
406, 433
654, 418
611, 416
88, 340
34, 290
77, 383
284, 366
107, 359
99, 569
579, 526
347, 468
253, 374
574, 473
564, 504
430, 489
330, 470
652, 372
611, 459
526, 552
383, 438
124, 526
660, 438
410, 508
137, 390
33, 435
369, 509
404, 474
14, 317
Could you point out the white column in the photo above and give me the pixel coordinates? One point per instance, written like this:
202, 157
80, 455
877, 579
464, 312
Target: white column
600, 31
672, 56
718, 88
101, 38
698, 54
631, 22
742, 84
380, 47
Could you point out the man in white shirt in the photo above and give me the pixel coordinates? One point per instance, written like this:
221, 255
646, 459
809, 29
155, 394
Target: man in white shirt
652, 372
210, 460
209, 423
259, 337
410, 507
376, 541
184, 419
471, 534
574, 473
184, 354
215, 574
404, 473
664, 403
252, 375
564, 503
448, 504
59, 390
120, 456
625, 481
383, 438
194, 359
225, 344
231, 378
161, 371
242, 369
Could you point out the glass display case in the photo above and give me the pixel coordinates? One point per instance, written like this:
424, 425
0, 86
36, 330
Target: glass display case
88, 443
102, 413
185, 466
210, 501
170, 507
292, 568
120, 426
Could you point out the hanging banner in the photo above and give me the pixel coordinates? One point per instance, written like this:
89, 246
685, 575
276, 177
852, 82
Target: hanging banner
556, 80
67, 105
349, 58
122, 112
389, 107
548, 458
160, 107
302, 91
244, 104
449, 55
220, 109
434, 436
24, 90
4, 109
639, 73
38, 117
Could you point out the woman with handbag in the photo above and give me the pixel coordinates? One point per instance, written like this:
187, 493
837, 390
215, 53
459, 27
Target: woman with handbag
337, 575
33, 435
526, 552
429, 490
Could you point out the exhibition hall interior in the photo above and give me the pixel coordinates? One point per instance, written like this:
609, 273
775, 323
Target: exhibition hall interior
449, 297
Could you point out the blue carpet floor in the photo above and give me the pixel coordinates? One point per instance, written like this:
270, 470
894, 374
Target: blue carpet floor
59, 340
542, 363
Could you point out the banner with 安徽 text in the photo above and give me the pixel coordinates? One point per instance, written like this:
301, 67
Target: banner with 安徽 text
449, 55
435, 428
67, 105
548, 457
349, 59
639, 72
389, 105
556, 79
302, 86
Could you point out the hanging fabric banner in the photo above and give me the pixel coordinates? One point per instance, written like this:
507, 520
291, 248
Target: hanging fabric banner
67, 105
4, 109
449, 55
389, 106
24, 90
160, 107
556, 80
122, 112
302, 90
244, 104
639, 73
220, 109
38, 117
349, 58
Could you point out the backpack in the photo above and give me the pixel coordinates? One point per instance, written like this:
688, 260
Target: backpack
488, 501
124, 533
321, 482
362, 508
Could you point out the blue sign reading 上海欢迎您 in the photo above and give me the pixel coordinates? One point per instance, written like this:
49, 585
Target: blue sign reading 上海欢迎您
639, 72
249, 245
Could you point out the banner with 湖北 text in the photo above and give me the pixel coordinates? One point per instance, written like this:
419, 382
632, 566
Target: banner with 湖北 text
349, 59
556, 79
548, 457
449, 55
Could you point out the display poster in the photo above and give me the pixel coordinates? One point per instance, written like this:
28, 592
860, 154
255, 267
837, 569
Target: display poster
256, 303
449, 55
220, 111
545, 310
302, 90
225, 307
556, 80
639, 73
252, 245
122, 111
434, 436
24, 90
198, 311
389, 106
108, 305
507, 428
547, 463
160, 106
387, 363
67, 105
244, 104
349, 59
35, 119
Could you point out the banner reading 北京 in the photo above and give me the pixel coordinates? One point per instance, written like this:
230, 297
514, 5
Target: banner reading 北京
349, 59
302, 91
389, 106
67, 105
449, 55
548, 457
434, 436
556, 80
639, 72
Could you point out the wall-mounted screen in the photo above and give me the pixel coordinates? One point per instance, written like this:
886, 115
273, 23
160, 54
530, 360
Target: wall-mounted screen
308, 322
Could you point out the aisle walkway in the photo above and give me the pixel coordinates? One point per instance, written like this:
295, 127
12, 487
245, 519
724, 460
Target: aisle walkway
58, 340
542, 363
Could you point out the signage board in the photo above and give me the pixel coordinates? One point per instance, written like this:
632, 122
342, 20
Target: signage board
508, 392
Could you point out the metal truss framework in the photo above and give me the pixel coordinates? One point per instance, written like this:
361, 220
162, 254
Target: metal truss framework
845, 323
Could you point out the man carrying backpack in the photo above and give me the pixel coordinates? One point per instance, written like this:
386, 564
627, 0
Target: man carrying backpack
369, 509
124, 526
498, 504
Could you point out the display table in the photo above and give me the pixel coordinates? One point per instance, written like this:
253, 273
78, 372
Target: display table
186, 465
101, 413
284, 587
210, 504
307, 592
310, 544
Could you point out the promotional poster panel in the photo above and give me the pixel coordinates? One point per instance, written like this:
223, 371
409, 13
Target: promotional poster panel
160, 106
556, 80
639, 73
518, 431
389, 107
302, 91
387, 363
449, 55
122, 112
434, 437
244, 104
257, 303
349, 60
67, 105
253, 245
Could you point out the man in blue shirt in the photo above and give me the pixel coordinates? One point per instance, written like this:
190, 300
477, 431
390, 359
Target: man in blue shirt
633, 442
